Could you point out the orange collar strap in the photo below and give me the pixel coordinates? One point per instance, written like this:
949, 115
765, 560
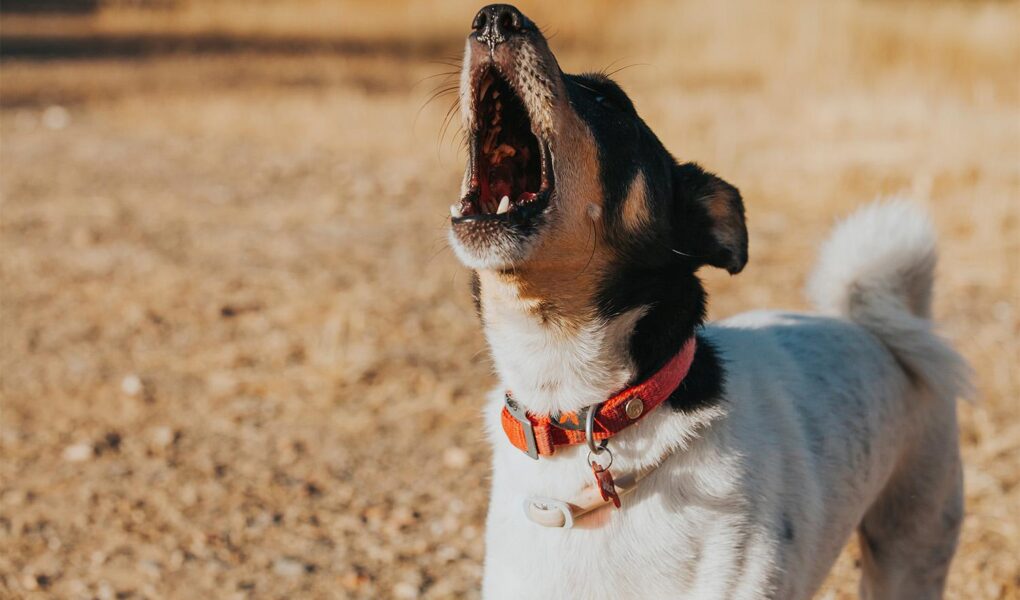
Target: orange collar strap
541, 435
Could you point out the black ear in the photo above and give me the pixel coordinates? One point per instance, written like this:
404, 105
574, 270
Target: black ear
708, 219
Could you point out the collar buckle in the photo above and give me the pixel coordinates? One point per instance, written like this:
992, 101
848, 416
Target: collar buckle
517, 411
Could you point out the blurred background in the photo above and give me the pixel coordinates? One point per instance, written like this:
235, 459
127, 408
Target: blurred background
239, 360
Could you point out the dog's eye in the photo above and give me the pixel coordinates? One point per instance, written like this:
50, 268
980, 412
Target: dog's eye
605, 102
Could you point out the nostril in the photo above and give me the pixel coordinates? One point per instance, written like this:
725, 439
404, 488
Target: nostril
507, 21
481, 19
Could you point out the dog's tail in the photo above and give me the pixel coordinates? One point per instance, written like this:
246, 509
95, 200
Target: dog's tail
877, 269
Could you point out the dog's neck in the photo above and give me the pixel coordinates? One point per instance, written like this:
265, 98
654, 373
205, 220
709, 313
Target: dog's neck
561, 352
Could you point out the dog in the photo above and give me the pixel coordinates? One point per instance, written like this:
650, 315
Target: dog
639, 452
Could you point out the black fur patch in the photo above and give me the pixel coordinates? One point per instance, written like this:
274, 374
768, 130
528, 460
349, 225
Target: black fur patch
676, 309
656, 268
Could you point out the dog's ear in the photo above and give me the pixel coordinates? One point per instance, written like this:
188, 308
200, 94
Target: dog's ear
708, 219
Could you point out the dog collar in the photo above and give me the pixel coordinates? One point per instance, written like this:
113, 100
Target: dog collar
541, 435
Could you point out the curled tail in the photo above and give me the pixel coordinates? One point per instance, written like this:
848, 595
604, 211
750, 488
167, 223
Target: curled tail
877, 269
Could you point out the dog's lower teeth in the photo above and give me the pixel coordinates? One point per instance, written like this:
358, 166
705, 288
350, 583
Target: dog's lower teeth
504, 205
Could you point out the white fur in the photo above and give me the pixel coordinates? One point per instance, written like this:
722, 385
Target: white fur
493, 256
556, 368
878, 268
827, 425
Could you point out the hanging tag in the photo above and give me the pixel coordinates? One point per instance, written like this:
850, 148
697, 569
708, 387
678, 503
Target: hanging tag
604, 480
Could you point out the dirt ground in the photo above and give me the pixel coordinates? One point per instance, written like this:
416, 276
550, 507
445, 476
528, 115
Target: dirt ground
239, 360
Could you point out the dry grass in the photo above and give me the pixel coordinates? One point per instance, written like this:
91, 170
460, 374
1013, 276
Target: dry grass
237, 357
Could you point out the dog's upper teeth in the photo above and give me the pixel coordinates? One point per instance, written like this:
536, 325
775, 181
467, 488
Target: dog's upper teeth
485, 87
455, 211
504, 205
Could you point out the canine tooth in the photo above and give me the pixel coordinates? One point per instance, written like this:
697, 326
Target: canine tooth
504, 205
484, 87
455, 211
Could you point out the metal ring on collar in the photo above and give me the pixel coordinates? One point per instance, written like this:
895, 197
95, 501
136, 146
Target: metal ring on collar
589, 430
591, 458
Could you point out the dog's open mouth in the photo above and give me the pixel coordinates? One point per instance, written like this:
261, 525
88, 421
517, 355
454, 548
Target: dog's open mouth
511, 167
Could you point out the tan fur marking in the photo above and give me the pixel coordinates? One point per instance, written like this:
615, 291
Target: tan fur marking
635, 207
722, 216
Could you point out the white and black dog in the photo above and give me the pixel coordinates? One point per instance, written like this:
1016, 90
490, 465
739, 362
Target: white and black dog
747, 451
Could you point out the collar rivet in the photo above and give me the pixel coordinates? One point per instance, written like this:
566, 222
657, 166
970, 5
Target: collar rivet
634, 407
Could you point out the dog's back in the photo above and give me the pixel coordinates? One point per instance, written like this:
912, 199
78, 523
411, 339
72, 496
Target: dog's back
858, 406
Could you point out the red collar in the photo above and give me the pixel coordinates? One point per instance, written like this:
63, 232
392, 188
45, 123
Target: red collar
541, 435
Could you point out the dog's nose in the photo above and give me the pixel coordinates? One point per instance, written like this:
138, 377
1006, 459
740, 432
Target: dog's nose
496, 23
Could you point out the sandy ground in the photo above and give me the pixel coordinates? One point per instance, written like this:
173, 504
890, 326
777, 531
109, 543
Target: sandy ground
239, 360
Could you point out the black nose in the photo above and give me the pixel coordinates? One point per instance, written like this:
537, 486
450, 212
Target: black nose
496, 23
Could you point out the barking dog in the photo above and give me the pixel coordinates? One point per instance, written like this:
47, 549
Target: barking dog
639, 453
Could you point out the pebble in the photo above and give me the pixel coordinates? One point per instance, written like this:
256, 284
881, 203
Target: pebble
447, 554
78, 452
222, 384
288, 567
161, 436
29, 583
131, 385
405, 591
56, 117
151, 568
455, 458
105, 591
188, 495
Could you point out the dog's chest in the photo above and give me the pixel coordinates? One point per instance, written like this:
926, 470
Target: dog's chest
684, 515
606, 554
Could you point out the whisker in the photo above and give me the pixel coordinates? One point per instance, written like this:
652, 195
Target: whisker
604, 69
549, 36
434, 95
592, 90
627, 67
439, 92
448, 61
595, 243
447, 121
427, 77
439, 246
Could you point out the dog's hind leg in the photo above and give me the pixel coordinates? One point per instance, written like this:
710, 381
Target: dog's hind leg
908, 536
